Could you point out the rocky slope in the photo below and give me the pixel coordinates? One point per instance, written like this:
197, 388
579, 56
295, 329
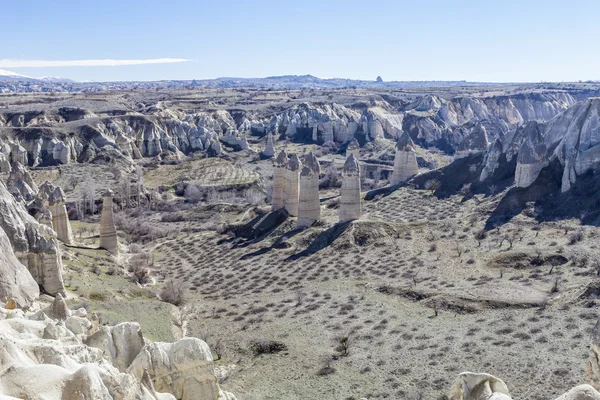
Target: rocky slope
57, 353
67, 131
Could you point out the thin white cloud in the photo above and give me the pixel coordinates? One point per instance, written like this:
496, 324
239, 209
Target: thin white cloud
85, 63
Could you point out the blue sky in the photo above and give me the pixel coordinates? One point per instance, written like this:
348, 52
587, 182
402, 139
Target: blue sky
509, 40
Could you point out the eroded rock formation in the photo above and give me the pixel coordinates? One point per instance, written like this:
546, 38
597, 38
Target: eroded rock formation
34, 245
41, 355
492, 159
60, 218
269, 148
353, 148
350, 208
292, 185
309, 206
531, 158
475, 142
278, 197
108, 232
405, 161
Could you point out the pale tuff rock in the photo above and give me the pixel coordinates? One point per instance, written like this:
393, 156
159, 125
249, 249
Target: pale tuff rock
531, 159
20, 181
18, 154
350, 208
472, 386
278, 197
215, 148
477, 141
33, 244
405, 160
108, 232
184, 368
58, 309
42, 356
592, 370
121, 343
269, 148
309, 206
353, 148
492, 160
292, 186
60, 218
4, 164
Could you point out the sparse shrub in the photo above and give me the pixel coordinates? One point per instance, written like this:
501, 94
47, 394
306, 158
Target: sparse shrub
344, 343
264, 346
174, 292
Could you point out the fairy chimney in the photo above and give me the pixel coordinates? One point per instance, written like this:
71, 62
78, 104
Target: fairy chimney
60, 218
405, 162
108, 232
292, 185
309, 206
279, 181
350, 193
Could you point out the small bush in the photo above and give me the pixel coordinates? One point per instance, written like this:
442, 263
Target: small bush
264, 346
174, 292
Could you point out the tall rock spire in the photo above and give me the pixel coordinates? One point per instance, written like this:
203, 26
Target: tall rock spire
309, 206
350, 208
405, 161
108, 232
292, 185
353, 148
60, 219
279, 181
269, 148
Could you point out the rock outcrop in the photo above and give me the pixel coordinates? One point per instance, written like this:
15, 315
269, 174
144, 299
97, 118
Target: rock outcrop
350, 208
269, 150
292, 185
531, 158
108, 232
353, 148
60, 218
309, 206
183, 368
41, 355
278, 196
34, 245
20, 183
477, 141
492, 160
405, 161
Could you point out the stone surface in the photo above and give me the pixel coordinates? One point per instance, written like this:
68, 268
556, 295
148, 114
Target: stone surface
184, 368
33, 245
405, 160
353, 148
20, 182
473, 386
350, 207
278, 197
292, 185
60, 218
475, 142
531, 158
492, 160
108, 232
309, 206
269, 148
41, 357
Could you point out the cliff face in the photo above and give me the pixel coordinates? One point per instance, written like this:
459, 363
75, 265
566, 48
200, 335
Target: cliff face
61, 135
29, 251
433, 120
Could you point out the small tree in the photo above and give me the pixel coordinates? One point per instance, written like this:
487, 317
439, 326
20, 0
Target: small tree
174, 292
432, 185
479, 236
344, 343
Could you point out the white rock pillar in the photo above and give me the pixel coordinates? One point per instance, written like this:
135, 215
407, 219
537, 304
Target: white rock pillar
405, 161
292, 185
60, 218
309, 206
350, 208
279, 181
353, 148
108, 232
269, 148
531, 158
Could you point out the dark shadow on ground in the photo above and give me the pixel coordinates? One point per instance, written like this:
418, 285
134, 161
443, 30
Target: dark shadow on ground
324, 239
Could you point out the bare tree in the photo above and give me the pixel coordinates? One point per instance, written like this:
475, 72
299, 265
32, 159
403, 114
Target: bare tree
344, 343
